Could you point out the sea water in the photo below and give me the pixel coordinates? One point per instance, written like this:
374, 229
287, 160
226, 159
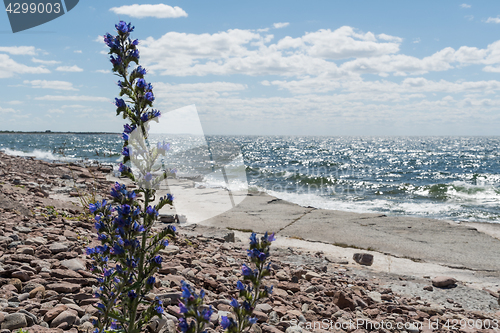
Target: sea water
455, 178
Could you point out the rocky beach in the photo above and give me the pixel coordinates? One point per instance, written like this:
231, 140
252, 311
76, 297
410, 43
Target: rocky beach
332, 271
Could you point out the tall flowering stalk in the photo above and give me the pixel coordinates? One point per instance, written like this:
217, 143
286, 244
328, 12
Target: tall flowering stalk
251, 294
128, 257
195, 315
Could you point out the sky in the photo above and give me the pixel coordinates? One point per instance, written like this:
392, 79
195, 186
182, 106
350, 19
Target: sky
266, 67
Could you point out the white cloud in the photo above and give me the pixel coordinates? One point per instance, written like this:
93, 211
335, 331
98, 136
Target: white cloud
73, 68
493, 20
45, 62
9, 67
103, 71
55, 111
44, 84
280, 25
196, 90
464, 5
15, 102
157, 11
390, 38
491, 69
416, 40
7, 110
77, 51
342, 43
249, 52
72, 98
18, 50
74, 106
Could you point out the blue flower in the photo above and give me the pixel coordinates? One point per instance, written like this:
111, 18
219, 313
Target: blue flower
156, 113
123, 27
149, 96
115, 61
98, 226
252, 320
125, 136
157, 260
141, 83
135, 42
253, 239
128, 129
171, 227
118, 250
246, 271
100, 306
240, 285
225, 322
151, 280
124, 209
89, 251
125, 151
247, 306
159, 309
183, 325
164, 146
207, 313
270, 238
132, 294
108, 272
151, 211
94, 207
114, 325
145, 117
182, 308
186, 291
134, 54
234, 303
102, 237
119, 102
111, 41
141, 70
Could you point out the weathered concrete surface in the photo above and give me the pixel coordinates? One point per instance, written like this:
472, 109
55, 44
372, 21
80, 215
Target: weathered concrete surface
410, 237
420, 239
260, 213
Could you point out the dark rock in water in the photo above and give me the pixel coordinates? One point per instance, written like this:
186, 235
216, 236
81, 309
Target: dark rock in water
363, 258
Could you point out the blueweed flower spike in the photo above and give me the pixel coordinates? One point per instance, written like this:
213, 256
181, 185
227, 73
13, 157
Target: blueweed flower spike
127, 258
258, 253
195, 315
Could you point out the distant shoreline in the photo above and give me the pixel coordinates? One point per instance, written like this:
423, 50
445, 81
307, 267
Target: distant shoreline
50, 132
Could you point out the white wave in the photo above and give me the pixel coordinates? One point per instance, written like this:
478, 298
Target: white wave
38, 154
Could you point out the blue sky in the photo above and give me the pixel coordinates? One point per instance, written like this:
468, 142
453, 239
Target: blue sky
267, 67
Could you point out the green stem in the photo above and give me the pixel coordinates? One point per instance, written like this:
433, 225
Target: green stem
140, 277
